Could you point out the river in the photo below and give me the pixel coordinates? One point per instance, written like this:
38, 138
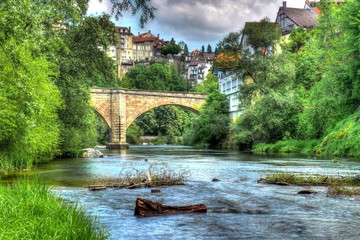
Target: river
238, 206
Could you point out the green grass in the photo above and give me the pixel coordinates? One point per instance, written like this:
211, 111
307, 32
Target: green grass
300, 180
31, 211
343, 139
288, 146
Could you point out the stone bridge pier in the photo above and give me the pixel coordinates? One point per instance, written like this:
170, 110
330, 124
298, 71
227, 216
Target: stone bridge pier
120, 107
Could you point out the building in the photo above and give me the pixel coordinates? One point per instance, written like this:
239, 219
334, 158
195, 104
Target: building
147, 47
289, 18
229, 84
125, 58
198, 66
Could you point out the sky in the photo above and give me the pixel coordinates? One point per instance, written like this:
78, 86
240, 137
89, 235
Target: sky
198, 22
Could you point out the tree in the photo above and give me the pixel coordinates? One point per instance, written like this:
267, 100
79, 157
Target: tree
202, 49
29, 100
147, 12
186, 50
209, 49
261, 34
228, 51
212, 125
171, 49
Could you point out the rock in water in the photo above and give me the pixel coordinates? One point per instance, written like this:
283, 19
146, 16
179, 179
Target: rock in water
92, 153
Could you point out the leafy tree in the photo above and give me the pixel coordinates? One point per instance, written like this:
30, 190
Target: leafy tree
28, 99
270, 119
209, 49
171, 49
186, 50
261, 34
228, 51
147, 12
212, 125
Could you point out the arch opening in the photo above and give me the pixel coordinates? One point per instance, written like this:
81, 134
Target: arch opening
103, 129
164, 124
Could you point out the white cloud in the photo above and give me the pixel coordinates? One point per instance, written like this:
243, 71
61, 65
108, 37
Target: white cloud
97, 7
199, 22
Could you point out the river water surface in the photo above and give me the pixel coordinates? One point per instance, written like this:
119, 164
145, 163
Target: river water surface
238, 206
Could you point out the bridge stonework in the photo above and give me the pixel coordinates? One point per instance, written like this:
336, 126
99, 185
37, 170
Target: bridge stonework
120, 107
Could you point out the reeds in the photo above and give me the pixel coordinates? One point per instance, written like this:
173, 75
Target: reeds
154, 174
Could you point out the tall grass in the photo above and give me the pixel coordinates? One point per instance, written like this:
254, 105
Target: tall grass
31, 211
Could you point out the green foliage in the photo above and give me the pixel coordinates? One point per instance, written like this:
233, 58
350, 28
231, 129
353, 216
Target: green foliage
261, 34
29, 101
288, 146
207, 84
318, 103
171, 49
147, 12
270, 119
133, 134
264, 74
31, 211
186, 50
212, 125
298, 38
157, 76
209, 49
343, 139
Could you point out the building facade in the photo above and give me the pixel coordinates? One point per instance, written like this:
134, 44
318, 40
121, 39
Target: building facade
198, 66
229, 84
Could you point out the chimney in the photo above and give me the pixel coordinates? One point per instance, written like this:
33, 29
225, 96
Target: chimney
284, 4
130, 29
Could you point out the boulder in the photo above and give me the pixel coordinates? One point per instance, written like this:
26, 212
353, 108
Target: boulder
92, 153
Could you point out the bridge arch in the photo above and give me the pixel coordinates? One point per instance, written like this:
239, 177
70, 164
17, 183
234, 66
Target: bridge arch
120, 107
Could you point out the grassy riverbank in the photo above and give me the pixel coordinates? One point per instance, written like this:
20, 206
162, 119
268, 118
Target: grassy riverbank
337, 186
31, 211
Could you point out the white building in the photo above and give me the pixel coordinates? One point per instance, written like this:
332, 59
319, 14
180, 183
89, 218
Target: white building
229, 84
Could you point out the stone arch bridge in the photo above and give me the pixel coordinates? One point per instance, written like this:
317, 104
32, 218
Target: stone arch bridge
120, 107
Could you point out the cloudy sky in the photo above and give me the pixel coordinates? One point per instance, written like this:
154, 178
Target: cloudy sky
199, 22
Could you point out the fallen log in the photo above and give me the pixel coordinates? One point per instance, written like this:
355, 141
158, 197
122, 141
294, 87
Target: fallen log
96, 187
145, 207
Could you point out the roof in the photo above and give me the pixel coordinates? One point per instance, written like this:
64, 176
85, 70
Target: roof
301, 17
124, 30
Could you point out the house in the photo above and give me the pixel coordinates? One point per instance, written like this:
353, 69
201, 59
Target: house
147, 47
289, 18
229, 83
198, 66
124, 50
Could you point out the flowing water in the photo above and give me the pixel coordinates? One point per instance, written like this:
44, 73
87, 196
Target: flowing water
238, 206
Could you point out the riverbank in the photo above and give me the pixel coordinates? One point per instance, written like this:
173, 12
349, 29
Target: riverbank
31, 211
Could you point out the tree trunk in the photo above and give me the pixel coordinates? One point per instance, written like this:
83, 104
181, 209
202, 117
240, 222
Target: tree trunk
145, 207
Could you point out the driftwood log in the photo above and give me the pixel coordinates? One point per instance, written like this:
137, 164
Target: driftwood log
145, 207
